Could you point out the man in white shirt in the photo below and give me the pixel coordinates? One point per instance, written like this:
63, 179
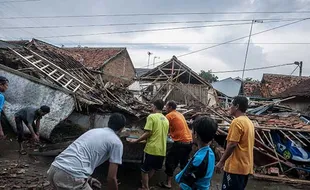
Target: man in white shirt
74, 166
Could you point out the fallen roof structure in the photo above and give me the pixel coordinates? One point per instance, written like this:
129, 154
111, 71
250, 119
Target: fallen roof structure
173, 80
57, 66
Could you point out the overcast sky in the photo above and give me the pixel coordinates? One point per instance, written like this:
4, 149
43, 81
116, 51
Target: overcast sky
225, 57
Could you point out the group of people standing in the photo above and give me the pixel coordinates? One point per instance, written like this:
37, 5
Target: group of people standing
30, 116
73, 168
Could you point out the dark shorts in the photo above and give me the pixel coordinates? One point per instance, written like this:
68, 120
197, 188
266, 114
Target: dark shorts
177, 154
20, 129
234, 181
152, 162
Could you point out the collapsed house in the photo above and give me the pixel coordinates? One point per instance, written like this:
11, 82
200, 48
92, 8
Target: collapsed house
173, 80
56, 66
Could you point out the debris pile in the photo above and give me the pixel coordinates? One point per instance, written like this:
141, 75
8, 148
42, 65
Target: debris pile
20, 175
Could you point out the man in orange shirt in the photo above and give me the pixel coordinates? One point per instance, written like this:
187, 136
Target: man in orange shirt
238, 156
182, 146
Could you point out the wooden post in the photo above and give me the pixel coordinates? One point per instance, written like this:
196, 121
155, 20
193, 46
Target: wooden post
275, 152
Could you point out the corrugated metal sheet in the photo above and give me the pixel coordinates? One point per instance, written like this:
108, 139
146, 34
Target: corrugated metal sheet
230, 87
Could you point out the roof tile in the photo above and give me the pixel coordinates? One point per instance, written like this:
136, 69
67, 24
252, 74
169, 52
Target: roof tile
94, 57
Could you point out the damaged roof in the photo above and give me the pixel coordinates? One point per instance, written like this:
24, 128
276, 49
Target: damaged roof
252, 89
175, 69
94, 57
59, 56
274, 84
302, 89
141, 71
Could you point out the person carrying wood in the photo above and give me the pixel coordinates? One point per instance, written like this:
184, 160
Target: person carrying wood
4, 84
156, 131
182, 145
237, 160
72, 169
31, 116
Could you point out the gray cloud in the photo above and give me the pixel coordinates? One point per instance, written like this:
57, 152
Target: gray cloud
228, 57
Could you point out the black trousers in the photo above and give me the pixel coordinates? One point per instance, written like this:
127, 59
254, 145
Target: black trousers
177, 154
234, 181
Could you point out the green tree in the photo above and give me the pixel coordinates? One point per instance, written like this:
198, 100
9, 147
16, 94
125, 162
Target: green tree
249, 79
208, 76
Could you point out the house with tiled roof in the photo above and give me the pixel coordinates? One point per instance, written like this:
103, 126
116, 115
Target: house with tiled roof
272, 85
114, 63
252, 89
301, 94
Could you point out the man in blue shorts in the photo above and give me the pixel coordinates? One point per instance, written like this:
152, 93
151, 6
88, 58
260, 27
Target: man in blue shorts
199, 170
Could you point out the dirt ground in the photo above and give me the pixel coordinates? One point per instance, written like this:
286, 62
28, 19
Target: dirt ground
29, 172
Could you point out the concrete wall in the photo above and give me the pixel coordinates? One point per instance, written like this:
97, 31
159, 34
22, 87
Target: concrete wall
299, 104
120, 69
89, 121
26, 91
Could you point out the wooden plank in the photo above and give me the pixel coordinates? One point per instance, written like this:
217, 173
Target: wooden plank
44, 67
267, 138
53, 72
36, 62
283, 129
303, 137
61, 76
281, 179
287, 136
64, 72
297, 138
29, 57
70, 81
260, 138
76, 88
275, 152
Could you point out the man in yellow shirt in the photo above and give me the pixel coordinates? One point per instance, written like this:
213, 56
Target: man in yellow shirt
237, 160
156, 131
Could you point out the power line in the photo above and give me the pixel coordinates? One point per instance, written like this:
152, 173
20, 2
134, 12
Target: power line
151, 30
148, 23
294, 69
160, 14
18, 1
230, 41
202, 43
237, 39
146, 30
254, 69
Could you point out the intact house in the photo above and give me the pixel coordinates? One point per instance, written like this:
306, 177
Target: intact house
173, 80
114, 63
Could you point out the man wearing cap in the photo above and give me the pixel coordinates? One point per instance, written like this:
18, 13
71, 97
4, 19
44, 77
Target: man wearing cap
31, 117
4, 83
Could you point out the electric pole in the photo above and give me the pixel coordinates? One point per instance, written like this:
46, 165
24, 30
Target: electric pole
148, 61
247, 48
299, 64
155, 57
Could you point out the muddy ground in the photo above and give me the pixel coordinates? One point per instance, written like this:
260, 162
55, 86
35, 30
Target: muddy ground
29, 172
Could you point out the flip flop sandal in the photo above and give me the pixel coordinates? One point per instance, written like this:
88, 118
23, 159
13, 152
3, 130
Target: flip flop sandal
163, 185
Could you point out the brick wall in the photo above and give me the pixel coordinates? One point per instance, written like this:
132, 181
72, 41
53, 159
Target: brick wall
120, 69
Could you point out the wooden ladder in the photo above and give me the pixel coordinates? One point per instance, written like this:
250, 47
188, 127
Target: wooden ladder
54, 72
